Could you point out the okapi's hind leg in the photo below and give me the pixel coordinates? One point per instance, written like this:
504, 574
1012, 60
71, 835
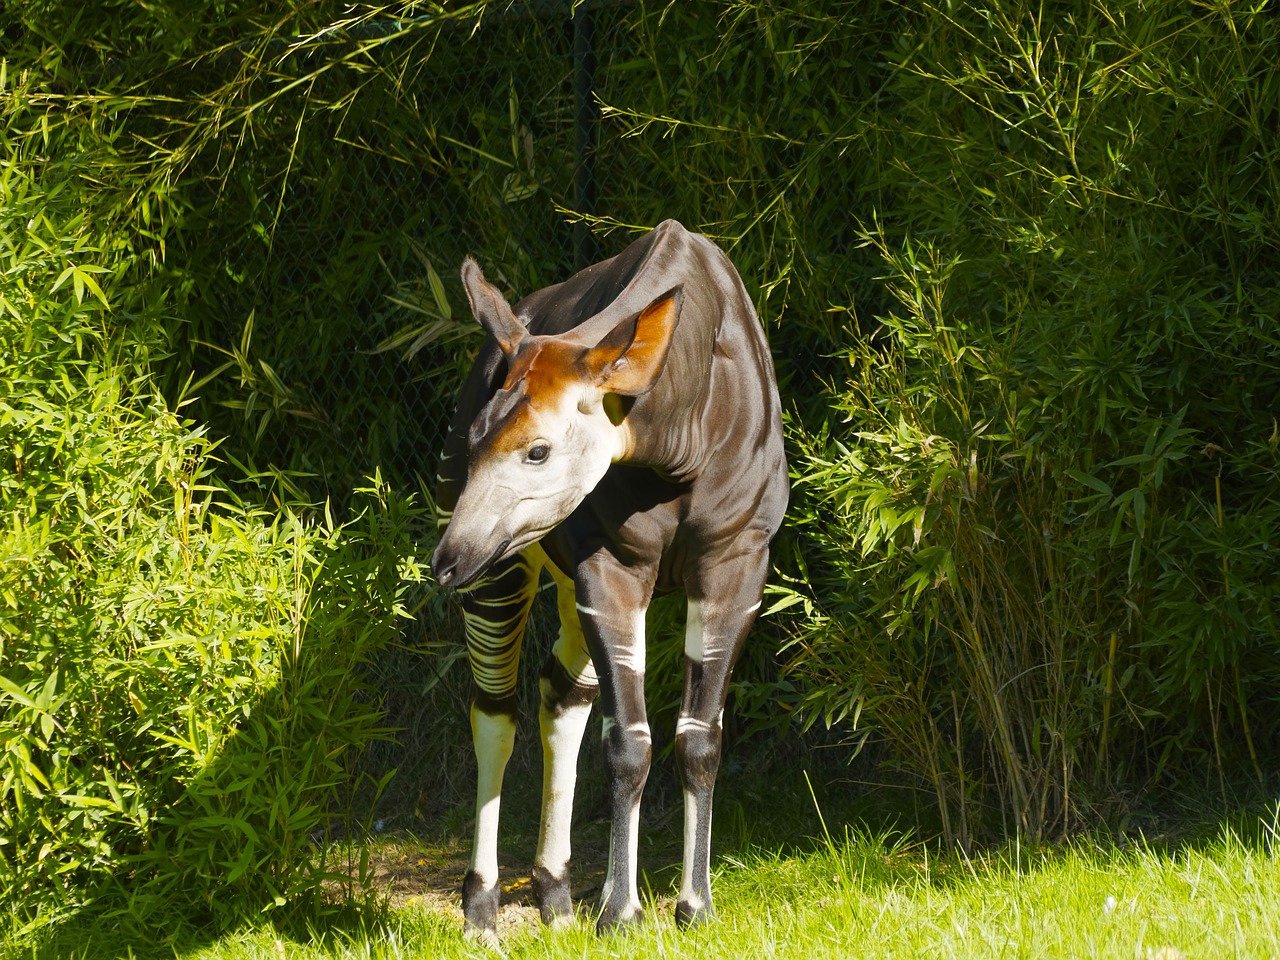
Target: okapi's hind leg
569, 686
495, 611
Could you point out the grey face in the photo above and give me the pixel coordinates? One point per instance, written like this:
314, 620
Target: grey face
533, 458
545, 439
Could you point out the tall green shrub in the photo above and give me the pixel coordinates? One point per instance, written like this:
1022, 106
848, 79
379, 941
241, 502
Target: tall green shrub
180, 674
1038, 536
1017, 262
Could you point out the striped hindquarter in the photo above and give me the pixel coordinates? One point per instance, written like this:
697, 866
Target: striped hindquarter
495, 613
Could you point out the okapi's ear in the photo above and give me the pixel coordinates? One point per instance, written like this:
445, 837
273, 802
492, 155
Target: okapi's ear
631, 355
491, 309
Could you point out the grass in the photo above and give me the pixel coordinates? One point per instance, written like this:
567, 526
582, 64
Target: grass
857, 893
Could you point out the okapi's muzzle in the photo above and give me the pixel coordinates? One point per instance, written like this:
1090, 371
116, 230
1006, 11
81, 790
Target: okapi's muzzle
457, 565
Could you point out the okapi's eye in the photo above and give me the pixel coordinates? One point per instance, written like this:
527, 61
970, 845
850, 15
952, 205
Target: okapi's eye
537, 453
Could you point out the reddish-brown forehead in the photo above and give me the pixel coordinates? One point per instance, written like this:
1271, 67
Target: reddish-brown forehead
540, 374
547, 367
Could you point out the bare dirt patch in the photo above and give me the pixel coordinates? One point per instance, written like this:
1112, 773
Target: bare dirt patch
428, 876
426, 873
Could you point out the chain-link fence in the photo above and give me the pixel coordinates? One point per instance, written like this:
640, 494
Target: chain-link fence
537, 138
1047, 288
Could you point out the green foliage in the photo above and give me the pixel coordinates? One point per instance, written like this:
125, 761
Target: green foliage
892, 897
180, 673
1038, 533
1018, 264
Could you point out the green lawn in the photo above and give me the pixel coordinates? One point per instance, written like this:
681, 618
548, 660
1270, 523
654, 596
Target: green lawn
860, 896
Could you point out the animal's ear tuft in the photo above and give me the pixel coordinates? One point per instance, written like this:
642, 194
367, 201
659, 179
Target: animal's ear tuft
491, 309
630, 357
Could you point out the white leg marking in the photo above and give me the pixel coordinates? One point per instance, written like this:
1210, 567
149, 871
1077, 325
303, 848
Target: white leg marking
631, 657
493, 736
685, 724
693, 640
633, 850
688, 892
699, 645
561, 738
607, 890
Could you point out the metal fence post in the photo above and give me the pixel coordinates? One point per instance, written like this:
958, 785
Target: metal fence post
586, 250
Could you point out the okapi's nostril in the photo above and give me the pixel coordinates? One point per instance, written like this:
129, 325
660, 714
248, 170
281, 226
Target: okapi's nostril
444, 568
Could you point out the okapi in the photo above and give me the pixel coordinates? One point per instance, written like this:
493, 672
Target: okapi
622, 431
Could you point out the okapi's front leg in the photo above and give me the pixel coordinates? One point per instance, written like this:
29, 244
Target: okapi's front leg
612, 601
723, 603
495, 612
569, 687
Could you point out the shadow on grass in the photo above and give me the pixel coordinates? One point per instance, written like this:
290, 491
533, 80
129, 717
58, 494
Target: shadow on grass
766, 805
773, 803
883, 837
768, 824
102, 933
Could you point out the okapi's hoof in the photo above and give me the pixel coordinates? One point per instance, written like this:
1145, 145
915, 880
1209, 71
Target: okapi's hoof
691, 916
486, 938
614, 919
480, 909
552, 893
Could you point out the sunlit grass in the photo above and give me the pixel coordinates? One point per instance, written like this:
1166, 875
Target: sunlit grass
875, 896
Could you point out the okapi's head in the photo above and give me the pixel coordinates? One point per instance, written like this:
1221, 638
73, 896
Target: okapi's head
549, 434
